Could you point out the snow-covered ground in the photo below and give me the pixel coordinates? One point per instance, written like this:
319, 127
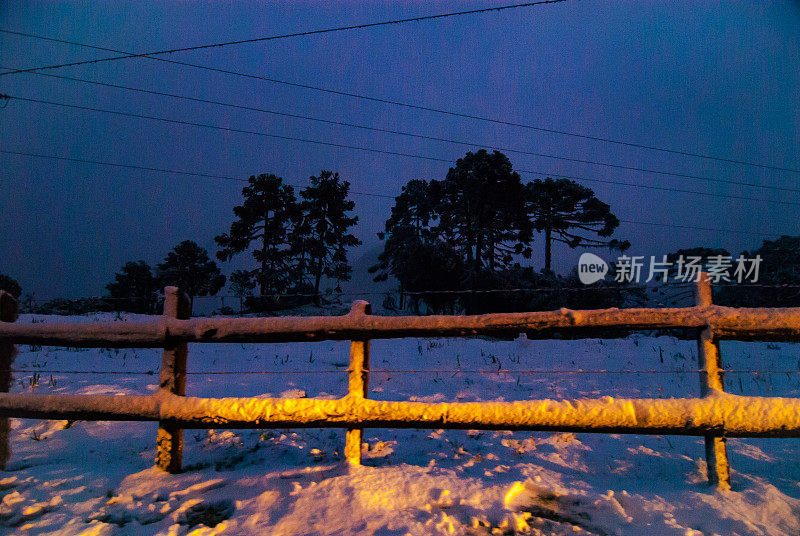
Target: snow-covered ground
70, 478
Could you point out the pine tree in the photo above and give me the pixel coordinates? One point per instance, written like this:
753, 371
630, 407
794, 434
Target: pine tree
264, 222
565, 211
320, 242
134, 288
459, 233
482, 213
188, 267
414, 253
242, 284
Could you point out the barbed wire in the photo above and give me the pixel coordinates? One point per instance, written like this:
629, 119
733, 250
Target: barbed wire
156, 372
120, 372
373, 293
530, 371
743, 286
403, 371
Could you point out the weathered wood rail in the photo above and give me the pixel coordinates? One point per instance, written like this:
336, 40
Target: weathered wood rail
715, 415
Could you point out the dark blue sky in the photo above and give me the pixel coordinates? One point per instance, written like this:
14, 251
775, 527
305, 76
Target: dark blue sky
715, 78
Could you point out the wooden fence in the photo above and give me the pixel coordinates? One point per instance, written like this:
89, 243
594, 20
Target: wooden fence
714, 415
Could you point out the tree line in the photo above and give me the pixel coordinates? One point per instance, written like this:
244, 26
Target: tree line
297, 243
473, 232
462, 243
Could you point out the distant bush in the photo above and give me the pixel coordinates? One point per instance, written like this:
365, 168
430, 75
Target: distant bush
62, 306
303, 295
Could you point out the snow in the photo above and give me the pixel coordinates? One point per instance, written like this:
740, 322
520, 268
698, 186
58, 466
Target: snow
69, 478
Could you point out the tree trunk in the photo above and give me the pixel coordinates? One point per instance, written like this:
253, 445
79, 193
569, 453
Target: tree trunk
491, 252
301, 270
318, 273
401, 296
478, 247
323, 235
262, 282
547, 246
317, 278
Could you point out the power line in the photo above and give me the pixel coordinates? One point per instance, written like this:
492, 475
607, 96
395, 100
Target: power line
392, 102
227, 177
415, 135
282, 36
160, 170
231, 129
694, 227
663, 188
394, 153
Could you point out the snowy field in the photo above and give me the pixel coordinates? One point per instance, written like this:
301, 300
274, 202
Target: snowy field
96, 478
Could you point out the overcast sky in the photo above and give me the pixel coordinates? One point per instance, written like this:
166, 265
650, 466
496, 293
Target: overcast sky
714, 78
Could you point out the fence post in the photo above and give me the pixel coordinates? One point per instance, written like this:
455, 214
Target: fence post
172, 380
8, 313
358, 384
711, 381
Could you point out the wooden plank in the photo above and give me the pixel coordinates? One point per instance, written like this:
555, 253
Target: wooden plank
8, 313
727, 323
358, 384
712, 383
736, 416
172, 381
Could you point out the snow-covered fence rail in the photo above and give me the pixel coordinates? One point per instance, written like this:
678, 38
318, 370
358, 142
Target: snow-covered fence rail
715, 414
774, 324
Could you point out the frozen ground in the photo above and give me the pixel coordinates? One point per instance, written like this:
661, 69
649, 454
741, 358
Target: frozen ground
70, 478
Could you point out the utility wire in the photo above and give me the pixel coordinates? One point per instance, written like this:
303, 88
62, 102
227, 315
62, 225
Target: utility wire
390, 101
662, 188
394, 153
414, 135
387, 196
230, 129
160, 170
127, 55
694, 227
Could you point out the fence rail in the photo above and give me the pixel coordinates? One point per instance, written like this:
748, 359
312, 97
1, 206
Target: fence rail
715, 415
775, 324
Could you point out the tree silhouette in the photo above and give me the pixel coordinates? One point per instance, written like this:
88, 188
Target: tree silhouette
481, 212
705, 254
414, 253
10, 285
242, 284
566, 211
778, 282
459, 233
471, 231
264, 221
188, 267
321, 239
134, 288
